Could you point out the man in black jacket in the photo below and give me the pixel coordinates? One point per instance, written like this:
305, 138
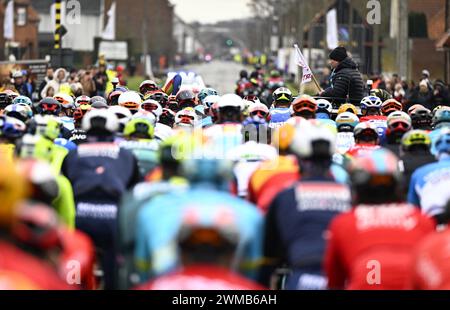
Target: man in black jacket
346, 81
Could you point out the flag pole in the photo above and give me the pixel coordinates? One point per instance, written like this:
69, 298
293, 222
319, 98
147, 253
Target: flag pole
317, 83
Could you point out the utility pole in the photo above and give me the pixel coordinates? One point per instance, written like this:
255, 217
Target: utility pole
376, 49
403, 39
350, 26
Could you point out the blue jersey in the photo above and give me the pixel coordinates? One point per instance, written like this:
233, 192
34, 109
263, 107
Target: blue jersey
434, 135
160, 220
278, 116
429, 187
298, 219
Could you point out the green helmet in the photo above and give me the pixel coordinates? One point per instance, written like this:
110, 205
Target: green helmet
139, 128
47, 126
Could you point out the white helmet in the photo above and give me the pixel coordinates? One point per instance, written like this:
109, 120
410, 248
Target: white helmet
186, 118
130, 100
66, 100
143, 114
307, 133
82, 100
152, 106
210, 100
109, 122
231, 100
324, 104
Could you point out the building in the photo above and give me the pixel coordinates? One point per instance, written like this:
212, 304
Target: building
81, 32
147, 26
25, 42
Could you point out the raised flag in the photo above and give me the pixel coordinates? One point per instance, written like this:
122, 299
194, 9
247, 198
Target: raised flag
300, 60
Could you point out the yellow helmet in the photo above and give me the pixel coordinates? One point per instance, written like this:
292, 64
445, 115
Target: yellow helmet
12, 191
347, 107
283, 137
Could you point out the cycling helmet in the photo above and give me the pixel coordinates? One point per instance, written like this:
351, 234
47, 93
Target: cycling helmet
206, 92
47, 126
167, 117
231, 101
11, 128
372, 170
210, 100
442, 144
258, 109
23, 100
441, 118
415, 107
100, 121
21, 112
130, 100
415, 138
305, 106
82, 100
148, 86
49, 106
421, 118
282, 139
139, 128
346, 122
399, 121
347, 107
37, 226
324, 106
186, 118
65, 100
113, 97
313, 141
282, 95
366, 132
173, 104
252, 98
370, 103
390, 106
381, 93
149, 116
158, 96
153, 106
81, 111
186, 98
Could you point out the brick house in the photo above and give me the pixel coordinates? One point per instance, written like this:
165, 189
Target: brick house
26, 20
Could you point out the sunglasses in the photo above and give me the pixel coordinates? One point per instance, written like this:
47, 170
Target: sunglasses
149, 107
302, 106
259, 113
50, 107
186, 104
399, 126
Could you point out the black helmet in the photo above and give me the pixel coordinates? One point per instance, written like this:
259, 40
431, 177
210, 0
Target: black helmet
186, 98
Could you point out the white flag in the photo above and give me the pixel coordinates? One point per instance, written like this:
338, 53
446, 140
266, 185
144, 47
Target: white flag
332, 30
109, 33
8, 23
300, 60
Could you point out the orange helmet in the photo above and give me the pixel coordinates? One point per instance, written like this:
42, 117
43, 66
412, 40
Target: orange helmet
304, 103
390, 106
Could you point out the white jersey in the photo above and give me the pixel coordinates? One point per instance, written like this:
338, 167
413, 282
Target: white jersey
344, 142
247, 158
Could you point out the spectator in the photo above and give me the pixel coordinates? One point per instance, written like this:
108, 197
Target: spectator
421, 95
88, 84
101, 79
441, 94
426, 78
59, 84
48, 78
20, 85
346, 81
399, 92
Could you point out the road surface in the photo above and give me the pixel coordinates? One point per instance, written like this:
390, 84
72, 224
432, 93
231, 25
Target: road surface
220, 75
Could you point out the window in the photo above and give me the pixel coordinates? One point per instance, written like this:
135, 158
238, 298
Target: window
21, 16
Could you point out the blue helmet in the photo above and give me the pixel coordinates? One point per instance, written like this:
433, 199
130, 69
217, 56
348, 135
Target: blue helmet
370, 102
205, 92
441, 118
442, 143
11, 128
22, 100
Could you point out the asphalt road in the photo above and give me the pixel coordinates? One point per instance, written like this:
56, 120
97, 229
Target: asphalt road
220, 75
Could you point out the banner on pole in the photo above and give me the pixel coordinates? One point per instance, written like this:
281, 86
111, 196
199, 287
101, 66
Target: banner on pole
301, 62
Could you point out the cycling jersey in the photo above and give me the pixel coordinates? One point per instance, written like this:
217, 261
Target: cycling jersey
361, 149
279, 116
371, 247
429, 187
146, 153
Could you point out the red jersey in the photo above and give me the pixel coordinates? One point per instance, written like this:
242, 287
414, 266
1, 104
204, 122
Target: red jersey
373, 118
361, 149
202, 277
271, 178
371, 247
38, 273
431, 270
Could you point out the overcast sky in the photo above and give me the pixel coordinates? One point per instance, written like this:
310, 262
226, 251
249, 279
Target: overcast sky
211, 11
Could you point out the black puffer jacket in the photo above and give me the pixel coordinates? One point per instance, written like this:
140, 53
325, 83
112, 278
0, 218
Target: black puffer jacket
346, 81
